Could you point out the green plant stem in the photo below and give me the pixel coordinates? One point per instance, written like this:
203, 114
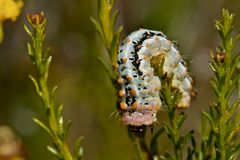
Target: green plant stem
106, 30
221, 123
223, 115
222, 138
171, 110
55, 126
222, 126
46, 99
142, 148
139, 149
105, 7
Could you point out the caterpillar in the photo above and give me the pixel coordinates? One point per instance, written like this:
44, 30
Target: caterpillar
139, 93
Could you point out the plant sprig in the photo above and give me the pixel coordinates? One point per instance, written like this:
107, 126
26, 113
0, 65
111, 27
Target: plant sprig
220, 137
57, 128
105, 26
170, 98
173, 127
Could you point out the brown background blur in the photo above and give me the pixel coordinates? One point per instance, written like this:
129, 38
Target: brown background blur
84, 87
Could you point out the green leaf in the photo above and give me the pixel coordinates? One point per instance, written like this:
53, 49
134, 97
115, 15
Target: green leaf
46, 54
215, 87
212, 54
235, 62
114, 45
30, 52
155, 157
78, 150
107, 68
181, 119
236, 80
60, 128
54, 152
36, 85
154, 141
169, 131
167, 156
115, 41
211, 120
215, 80
46, 67
114, 19
214, 67
211, 140
60, 123
59, 113
225, 25
66, 129
230, 91
118, 33
236, 39
98, 27
190, 154
232, 157
53, 92
28, 31
234, 132
184, 139
41, 124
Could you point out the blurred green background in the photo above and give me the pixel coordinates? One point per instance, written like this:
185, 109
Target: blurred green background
84, 87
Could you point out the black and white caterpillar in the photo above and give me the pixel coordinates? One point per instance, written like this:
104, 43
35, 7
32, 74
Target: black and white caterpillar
139, 93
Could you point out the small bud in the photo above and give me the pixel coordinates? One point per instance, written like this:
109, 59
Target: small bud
36, 18
220, 57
